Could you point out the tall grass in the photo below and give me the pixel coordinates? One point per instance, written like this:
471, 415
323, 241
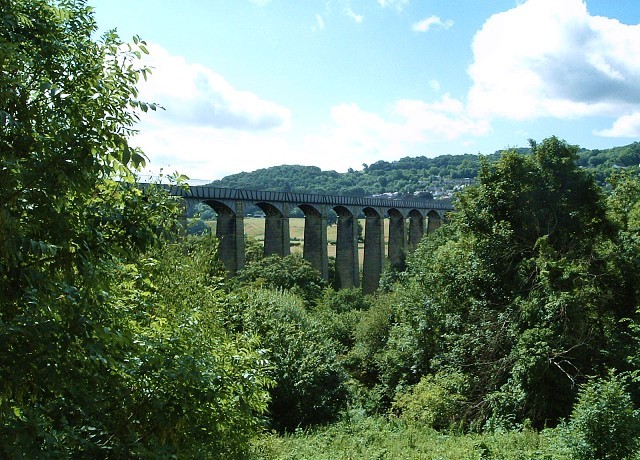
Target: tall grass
381, 438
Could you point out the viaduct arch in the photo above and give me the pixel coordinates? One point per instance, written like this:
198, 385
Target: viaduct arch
408, 222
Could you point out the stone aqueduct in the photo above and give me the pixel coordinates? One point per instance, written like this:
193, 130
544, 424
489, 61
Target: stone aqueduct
408, 222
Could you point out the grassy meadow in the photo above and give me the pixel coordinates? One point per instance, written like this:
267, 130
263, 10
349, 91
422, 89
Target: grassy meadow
382, 438
254, 228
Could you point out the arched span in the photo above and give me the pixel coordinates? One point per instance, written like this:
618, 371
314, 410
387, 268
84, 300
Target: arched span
434, 221
315, 237
416, 228
347, 263
230, 203
276, 230
397, 242
230, 234
219, 207
373, 249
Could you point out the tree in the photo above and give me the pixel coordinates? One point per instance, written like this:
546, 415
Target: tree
527, 288
83, 362
309, 380
603, 423
67, 110
290, 272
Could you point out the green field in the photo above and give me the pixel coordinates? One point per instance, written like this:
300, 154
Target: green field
254, 228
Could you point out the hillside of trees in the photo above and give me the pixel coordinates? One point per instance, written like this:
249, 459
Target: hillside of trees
513, 333
411, 176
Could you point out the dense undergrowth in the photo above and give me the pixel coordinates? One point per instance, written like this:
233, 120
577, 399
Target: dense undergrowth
376, 437
513, 333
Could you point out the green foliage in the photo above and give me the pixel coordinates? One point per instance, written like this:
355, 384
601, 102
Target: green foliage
436, 401
604, 162
104, 351
194, 387
339, 312
527, 287
291, 272
604, 424
394, 342
371, 335
345, 300
406, 176
381, 438
253, 250
197, 227
309, 380
624, 201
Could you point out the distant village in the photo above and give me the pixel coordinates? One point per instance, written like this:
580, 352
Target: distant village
438, 188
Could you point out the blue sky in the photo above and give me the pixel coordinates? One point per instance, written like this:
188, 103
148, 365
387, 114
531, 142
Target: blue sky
248, 84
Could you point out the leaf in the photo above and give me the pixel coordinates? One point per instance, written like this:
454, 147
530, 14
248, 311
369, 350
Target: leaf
126, 156
19, 414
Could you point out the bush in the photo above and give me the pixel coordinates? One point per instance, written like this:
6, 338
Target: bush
604, 424
436, 401
194, 389
309, 380
345, 300
291, 272
197, 227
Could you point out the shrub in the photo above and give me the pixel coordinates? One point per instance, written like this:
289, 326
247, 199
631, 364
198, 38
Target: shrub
291, 272
345, 300
309, 380
436, 401
197, 227
604, 424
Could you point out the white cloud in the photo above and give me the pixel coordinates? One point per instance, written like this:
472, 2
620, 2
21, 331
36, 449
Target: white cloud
434, 85
351, 136
443, 120
427, 23
207, 153
211, 129
357, 18
319, 25
549, 58
357, 136
195, 95
625, 126
396, 4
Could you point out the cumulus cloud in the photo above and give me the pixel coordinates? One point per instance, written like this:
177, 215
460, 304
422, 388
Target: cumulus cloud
357, 18
549, 58
356, 135
205, 153
625, 126
395, 4
351, 136
192, 94
427, 23
445, 119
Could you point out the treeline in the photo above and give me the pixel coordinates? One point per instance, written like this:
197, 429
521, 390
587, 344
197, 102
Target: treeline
603, 162
410, 174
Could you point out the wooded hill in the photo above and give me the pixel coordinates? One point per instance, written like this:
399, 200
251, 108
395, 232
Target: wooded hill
436, 177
